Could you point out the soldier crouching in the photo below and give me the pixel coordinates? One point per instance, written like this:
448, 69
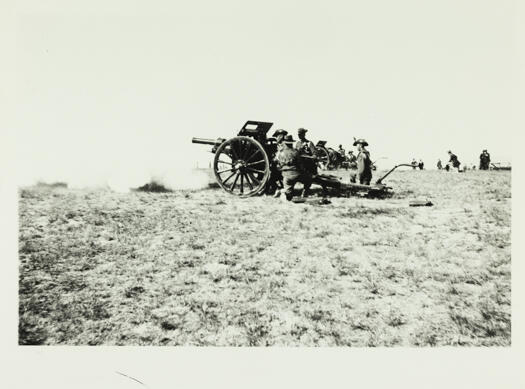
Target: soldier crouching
292, 171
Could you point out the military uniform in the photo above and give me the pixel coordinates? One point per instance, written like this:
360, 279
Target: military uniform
306, 147
484, 160
289, 162
454, 160
364, 167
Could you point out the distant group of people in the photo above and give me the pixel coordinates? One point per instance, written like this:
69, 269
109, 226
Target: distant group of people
415, 164
296, 161
484, 162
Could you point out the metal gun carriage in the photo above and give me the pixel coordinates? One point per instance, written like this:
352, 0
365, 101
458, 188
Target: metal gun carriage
245, 165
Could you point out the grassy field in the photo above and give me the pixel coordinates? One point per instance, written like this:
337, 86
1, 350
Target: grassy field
205, 268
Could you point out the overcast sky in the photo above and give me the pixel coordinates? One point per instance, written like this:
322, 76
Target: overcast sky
119, 90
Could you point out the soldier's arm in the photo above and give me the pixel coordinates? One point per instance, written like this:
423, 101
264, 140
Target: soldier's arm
312, 147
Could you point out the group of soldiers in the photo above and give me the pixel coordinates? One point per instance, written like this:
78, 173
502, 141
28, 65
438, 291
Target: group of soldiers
484, 162
296, 161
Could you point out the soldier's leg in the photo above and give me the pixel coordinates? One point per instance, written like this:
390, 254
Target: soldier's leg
306, 179
290, 178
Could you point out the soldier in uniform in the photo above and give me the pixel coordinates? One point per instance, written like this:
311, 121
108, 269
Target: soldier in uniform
291, 168
364, 163
306, 148
454, 160
303, 145
484, 160
275, 174
439, 164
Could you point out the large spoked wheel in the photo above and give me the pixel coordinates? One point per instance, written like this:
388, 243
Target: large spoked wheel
323, 158
241, 166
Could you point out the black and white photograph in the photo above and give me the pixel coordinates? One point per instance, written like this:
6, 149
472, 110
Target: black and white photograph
278, 175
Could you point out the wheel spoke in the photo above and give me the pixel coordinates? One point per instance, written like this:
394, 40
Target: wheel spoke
248, 147
255, 180
253, 155
248, 181
228, 179
227, 163
227, 170
242, 186
256, 170
233, 151
232, 187
255, 163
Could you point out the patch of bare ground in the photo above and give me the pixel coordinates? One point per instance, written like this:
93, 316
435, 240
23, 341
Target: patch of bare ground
207, 268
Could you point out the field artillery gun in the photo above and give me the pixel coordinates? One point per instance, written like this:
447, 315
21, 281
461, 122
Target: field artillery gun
500, 166
329, 158
244, 165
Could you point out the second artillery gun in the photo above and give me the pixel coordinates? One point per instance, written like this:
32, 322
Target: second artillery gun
244, 165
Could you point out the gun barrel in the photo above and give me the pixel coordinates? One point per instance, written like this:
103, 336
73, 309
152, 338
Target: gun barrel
206, 141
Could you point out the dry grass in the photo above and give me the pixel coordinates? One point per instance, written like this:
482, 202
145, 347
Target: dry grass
206, 268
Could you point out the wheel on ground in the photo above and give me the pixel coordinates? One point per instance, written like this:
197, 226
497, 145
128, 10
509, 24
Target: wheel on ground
241, 166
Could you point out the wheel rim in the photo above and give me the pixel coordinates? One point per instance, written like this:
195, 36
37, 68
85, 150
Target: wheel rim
323, 158
241, 166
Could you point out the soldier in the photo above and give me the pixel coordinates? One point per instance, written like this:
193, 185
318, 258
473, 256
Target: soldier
454, 160
421, 165
414, 164
303, 145
279, 136
292, 171
342, 152
351, 156
484, 160
275, 174
307, 148
439, 164
364, 163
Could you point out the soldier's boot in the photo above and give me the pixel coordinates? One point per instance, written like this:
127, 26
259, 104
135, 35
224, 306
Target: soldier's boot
305, 192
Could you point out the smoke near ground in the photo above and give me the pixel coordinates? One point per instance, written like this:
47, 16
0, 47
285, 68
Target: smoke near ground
101, 171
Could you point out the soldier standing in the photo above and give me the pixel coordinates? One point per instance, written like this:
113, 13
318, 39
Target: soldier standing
303, 145
484, 160
306, 148
289, 162
439, 164
364, 163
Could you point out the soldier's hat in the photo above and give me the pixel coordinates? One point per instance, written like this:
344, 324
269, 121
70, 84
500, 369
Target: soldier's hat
362, 141
302, 130
280, 131
288, 139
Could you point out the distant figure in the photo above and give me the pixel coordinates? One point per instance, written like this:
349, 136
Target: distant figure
342, 152
447, 167
484, 160
414, 164
364, 163
439, 164
454, 160
289, 162
352, 160
421, 165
